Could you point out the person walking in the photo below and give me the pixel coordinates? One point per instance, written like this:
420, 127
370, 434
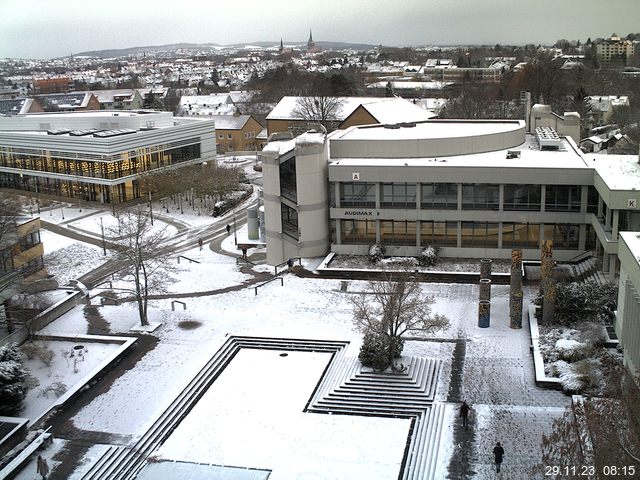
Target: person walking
228, 229
464, 413
498, 453
42, 467
200, 243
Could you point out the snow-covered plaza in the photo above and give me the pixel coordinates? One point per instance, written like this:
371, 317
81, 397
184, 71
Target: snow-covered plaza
251, 421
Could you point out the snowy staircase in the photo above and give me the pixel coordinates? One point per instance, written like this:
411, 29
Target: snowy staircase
124, 463
350, 389
345, 388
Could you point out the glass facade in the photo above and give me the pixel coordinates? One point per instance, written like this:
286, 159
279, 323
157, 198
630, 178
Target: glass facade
398, 232
562, 198
522, 197
438, 233
479, 234
357, 231
564, 236
439, 196
288, 187
289, 220
525, 235
480, 196
360, 194
398, 195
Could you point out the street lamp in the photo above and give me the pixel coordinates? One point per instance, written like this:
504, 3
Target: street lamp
37, 196
104, 244
150, 208
235, 236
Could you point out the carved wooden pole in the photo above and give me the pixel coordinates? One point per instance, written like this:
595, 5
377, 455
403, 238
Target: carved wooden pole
484, 314
515, 291
485, 289
547, 282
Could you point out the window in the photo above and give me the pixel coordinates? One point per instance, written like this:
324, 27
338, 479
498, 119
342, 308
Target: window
480, 196
358, 231
399, 195
288, 186
358, 194
562, 198
229, 136
289, 220
522, 197
397, 232
438, 234
592, 199
221, 136
520, 235
479, 234
564, 236
439, 196
29, 241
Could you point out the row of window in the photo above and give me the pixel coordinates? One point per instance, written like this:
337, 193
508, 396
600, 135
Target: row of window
472, 234
475, 196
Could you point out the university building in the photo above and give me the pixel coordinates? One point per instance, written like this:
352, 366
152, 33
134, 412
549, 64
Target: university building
474, 189
98, 155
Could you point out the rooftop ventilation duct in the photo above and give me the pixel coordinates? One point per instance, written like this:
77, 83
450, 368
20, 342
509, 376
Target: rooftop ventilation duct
547, 138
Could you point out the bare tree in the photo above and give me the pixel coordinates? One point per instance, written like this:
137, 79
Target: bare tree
142, 248
394, 306
596, 430
320, 109
10, 278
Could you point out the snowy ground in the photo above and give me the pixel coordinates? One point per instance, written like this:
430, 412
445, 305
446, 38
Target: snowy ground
68, 366
497, 376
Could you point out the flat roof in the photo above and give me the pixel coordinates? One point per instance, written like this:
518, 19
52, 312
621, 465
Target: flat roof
527, 155
618, 172
437, 129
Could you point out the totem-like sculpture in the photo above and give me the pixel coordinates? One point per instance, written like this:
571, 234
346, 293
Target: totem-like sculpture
515, 291
484, 306
547, 282
484, 314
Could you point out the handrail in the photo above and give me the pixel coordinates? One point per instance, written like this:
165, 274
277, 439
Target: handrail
289, 263
255, 289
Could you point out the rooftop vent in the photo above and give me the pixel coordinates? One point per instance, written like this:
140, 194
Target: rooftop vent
547, 138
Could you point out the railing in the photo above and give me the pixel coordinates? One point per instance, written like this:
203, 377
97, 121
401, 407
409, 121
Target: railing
289, 263
255, 289
187, 258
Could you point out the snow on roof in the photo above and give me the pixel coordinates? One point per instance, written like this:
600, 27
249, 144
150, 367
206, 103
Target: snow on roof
530, 157
618, 172
230, 122
396, 112
632, 239
431, 130
108, 96
285, 107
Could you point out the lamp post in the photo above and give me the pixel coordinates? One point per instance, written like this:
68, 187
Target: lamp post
104, 244
37, 196
150, 208
62, 210
235, 236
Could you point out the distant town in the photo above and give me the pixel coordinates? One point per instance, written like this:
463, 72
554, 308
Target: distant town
297, 260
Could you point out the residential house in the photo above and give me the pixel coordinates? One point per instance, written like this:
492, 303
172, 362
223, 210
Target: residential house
236, 133
350, 111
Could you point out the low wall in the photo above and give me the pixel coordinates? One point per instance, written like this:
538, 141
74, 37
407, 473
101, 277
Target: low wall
538, 361
22, 333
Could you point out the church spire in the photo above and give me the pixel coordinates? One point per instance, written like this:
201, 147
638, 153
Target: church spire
311, 45
281, 46
310, 37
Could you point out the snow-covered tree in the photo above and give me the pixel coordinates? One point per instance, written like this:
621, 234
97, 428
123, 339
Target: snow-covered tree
143, 251
13, 376
579, 302
322, 109
394, 306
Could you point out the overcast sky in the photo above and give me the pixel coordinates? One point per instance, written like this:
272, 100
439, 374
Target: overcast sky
52, 28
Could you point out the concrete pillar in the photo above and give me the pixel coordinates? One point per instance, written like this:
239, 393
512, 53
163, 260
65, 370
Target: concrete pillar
485, 268
613, 267
515, 291
547, 282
